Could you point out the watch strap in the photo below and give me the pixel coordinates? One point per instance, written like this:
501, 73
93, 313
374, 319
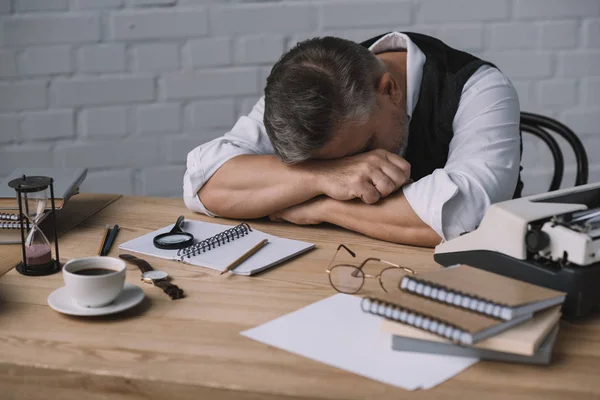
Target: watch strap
173, 291
143, 265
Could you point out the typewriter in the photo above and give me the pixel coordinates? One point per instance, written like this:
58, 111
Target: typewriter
550, 239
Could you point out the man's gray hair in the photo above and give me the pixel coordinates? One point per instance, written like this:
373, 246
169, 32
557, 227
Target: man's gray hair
314, 87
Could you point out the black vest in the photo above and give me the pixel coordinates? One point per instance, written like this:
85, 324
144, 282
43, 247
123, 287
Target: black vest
445, 72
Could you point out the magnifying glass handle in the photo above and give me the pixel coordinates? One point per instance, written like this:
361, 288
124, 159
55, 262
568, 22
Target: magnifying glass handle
177, 226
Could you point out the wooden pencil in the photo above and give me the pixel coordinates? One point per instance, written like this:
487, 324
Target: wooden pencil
104, 236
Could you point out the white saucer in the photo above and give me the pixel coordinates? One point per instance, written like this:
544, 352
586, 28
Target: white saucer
60, 301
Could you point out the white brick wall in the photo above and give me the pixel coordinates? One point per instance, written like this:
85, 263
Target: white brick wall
128, 87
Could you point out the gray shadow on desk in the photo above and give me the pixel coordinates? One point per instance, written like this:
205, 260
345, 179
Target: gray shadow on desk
135, 312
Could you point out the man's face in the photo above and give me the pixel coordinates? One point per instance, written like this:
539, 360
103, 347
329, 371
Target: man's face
386, 128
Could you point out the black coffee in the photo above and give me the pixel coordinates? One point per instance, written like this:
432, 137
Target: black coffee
94, 271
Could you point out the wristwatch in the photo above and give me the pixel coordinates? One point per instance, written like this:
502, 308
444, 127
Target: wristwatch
154, 277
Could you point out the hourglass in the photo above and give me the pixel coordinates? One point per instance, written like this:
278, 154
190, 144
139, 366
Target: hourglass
32, 195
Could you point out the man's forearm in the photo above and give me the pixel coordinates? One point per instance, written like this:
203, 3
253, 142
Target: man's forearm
254, 186
391, 219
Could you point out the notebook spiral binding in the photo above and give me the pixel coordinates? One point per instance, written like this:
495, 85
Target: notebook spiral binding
425, 322
446, 295
212, 242
9, 217
13, 225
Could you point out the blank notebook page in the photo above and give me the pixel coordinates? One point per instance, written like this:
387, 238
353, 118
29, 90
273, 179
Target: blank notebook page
218, 258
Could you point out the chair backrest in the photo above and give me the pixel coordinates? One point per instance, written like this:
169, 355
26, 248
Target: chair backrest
540, 126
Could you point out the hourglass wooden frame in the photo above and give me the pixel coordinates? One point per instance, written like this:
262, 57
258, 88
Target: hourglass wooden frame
42, 183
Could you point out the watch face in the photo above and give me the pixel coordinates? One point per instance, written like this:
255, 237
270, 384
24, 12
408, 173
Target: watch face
154, 275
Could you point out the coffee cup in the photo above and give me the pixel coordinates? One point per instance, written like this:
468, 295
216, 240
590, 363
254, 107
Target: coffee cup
94, 281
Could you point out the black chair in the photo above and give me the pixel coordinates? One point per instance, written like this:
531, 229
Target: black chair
539, 125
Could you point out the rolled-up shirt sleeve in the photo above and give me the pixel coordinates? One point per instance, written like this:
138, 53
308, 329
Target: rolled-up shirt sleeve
483, 161
248, 136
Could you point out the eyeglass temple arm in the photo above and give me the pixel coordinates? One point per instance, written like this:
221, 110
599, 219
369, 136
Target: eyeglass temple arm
385, 262
336, 252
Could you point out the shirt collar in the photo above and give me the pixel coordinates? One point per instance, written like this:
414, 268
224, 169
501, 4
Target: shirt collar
415, 59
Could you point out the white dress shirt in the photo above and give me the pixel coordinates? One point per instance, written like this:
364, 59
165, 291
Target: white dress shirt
483, 159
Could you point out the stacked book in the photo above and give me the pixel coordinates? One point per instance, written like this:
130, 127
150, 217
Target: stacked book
469, 312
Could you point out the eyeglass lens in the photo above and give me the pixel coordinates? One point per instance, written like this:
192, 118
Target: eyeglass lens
390, 279
346, 278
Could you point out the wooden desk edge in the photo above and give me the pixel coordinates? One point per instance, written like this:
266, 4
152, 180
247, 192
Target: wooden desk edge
21, 381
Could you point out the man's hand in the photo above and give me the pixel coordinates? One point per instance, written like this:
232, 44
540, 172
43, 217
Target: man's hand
307, 213
368, 176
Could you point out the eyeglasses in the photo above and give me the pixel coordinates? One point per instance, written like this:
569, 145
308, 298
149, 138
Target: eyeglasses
347, 278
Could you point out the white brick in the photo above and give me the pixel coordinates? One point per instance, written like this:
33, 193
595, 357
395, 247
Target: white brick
200, 2
45, 60
263, 74
591, 30
9, 128
48, 124
262, 18
211, 83
466, 37
522, 64
102, 90
118, 153
23, 95
583, 122
590, 91
98, 4
42, 5
513, 35
30, 156
355, 35
559, 34
556, 8
108, 122
464, 10
218, 113
120, 182
579, 63
180, 146
156, 57
159, 24
524, 91
528, 98
246, 104
8, 64
39, 30
362, 14
145, 3
159, 118
258, 49
102, 58
552, 93
162, 181
5, 7
208, 52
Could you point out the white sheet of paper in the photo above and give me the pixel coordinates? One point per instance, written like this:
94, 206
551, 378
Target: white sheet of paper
335, 331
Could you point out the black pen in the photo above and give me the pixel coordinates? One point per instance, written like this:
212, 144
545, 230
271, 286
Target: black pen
110, 240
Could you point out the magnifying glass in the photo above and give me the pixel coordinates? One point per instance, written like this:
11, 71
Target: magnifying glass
175, 239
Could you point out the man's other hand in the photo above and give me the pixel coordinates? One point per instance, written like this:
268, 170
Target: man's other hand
307, 213
368, 176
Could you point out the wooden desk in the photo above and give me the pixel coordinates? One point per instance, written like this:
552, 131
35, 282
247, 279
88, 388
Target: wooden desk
192, 349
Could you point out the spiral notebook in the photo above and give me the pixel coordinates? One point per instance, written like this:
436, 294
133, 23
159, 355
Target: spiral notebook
482, 291
524, 339
542, 356
455, 324
216, 246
